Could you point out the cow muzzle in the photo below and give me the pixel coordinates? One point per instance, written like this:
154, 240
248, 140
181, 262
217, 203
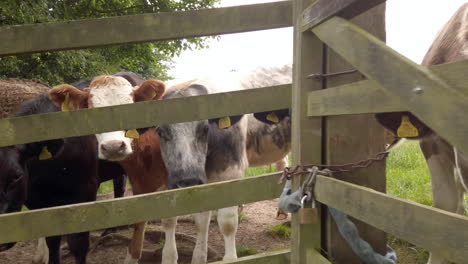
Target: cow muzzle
114, 150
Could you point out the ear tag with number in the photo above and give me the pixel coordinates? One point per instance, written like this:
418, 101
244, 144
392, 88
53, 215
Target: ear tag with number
45, 154
66, 104
273, 117
224, 122
407, 129
132, 133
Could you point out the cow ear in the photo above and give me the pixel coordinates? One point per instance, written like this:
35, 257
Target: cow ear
149, 90
225, 122
272, 117
69, 97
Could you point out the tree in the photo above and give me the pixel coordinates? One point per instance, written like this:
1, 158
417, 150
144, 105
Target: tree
151, 60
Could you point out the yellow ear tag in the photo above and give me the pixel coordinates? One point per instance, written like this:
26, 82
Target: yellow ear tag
272, 117
132, 133
154, 95
224, 122
45, 154
407, 129
66, 104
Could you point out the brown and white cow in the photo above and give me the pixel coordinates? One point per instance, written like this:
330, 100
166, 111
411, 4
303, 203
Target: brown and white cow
139, 155
447, 165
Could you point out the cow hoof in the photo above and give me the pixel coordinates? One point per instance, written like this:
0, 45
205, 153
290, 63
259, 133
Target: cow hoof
280, 215
130, 260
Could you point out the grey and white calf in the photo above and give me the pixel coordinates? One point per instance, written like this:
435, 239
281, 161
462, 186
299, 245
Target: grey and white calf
200, 152
448, 166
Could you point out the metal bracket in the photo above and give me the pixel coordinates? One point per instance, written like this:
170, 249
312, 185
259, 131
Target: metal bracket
321, 76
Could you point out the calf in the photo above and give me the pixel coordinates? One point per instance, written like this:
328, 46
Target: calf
139, 155
199, 152
66, 175
40, 182
448, 166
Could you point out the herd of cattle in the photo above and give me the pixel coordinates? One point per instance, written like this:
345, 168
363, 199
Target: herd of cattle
67, 171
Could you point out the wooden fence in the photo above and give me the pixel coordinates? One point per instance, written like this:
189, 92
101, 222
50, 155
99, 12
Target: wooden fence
338, 137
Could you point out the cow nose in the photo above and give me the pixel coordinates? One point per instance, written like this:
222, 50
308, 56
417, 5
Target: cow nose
187, 183
113, 147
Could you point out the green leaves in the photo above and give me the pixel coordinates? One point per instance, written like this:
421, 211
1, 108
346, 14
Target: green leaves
152, 60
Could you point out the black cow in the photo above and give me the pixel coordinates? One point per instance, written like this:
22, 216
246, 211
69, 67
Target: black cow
53, 173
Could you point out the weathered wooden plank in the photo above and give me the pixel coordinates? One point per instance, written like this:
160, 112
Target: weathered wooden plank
313, 256
90, 121
274, 257
427, 95
369, 97
322, 10
354, 98
355, 137
434, 229
306, 132
142, 28
102, 214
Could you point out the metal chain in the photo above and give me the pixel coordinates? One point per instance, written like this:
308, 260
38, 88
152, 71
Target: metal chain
347, 167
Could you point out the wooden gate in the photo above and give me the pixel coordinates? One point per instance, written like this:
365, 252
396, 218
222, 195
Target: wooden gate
328, 125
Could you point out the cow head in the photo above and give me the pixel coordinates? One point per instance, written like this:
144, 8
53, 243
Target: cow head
13, 184
184, 146
108, 90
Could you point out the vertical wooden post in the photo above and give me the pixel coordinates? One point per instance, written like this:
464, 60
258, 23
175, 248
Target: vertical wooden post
306, 132
352, 138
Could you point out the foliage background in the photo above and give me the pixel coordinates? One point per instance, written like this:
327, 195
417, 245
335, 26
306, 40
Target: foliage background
151, 60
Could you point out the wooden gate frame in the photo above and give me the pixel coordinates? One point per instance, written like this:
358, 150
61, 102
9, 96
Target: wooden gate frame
392, 79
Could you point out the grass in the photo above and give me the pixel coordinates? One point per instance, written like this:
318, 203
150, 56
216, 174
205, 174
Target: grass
407, 174
280, 231
106, 187
246, 250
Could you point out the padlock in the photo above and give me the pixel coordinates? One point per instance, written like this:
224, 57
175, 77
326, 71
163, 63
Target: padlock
308, 216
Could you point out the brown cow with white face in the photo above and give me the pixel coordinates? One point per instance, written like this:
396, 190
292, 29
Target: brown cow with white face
139, 155
108, 90
448, 166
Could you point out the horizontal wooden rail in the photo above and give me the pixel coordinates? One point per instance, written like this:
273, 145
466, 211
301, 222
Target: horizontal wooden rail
369, 97
274, 257
143, 28
322, 10
434, 229
103, 214
428, 96
91, 121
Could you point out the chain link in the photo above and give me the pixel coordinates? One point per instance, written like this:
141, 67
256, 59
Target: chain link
347, 167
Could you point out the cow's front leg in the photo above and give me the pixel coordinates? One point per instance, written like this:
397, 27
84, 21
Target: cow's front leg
136, 244
53, 243
228, 222
169, 253
78, 243
445, 192
282, 163
42, 252
200, 252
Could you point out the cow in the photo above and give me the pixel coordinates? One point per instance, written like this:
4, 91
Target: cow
206, 151
54, 172
28, 179
447, 165
136, 150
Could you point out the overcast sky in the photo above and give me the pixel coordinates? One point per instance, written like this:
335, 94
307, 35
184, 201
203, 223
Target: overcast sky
411, 27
